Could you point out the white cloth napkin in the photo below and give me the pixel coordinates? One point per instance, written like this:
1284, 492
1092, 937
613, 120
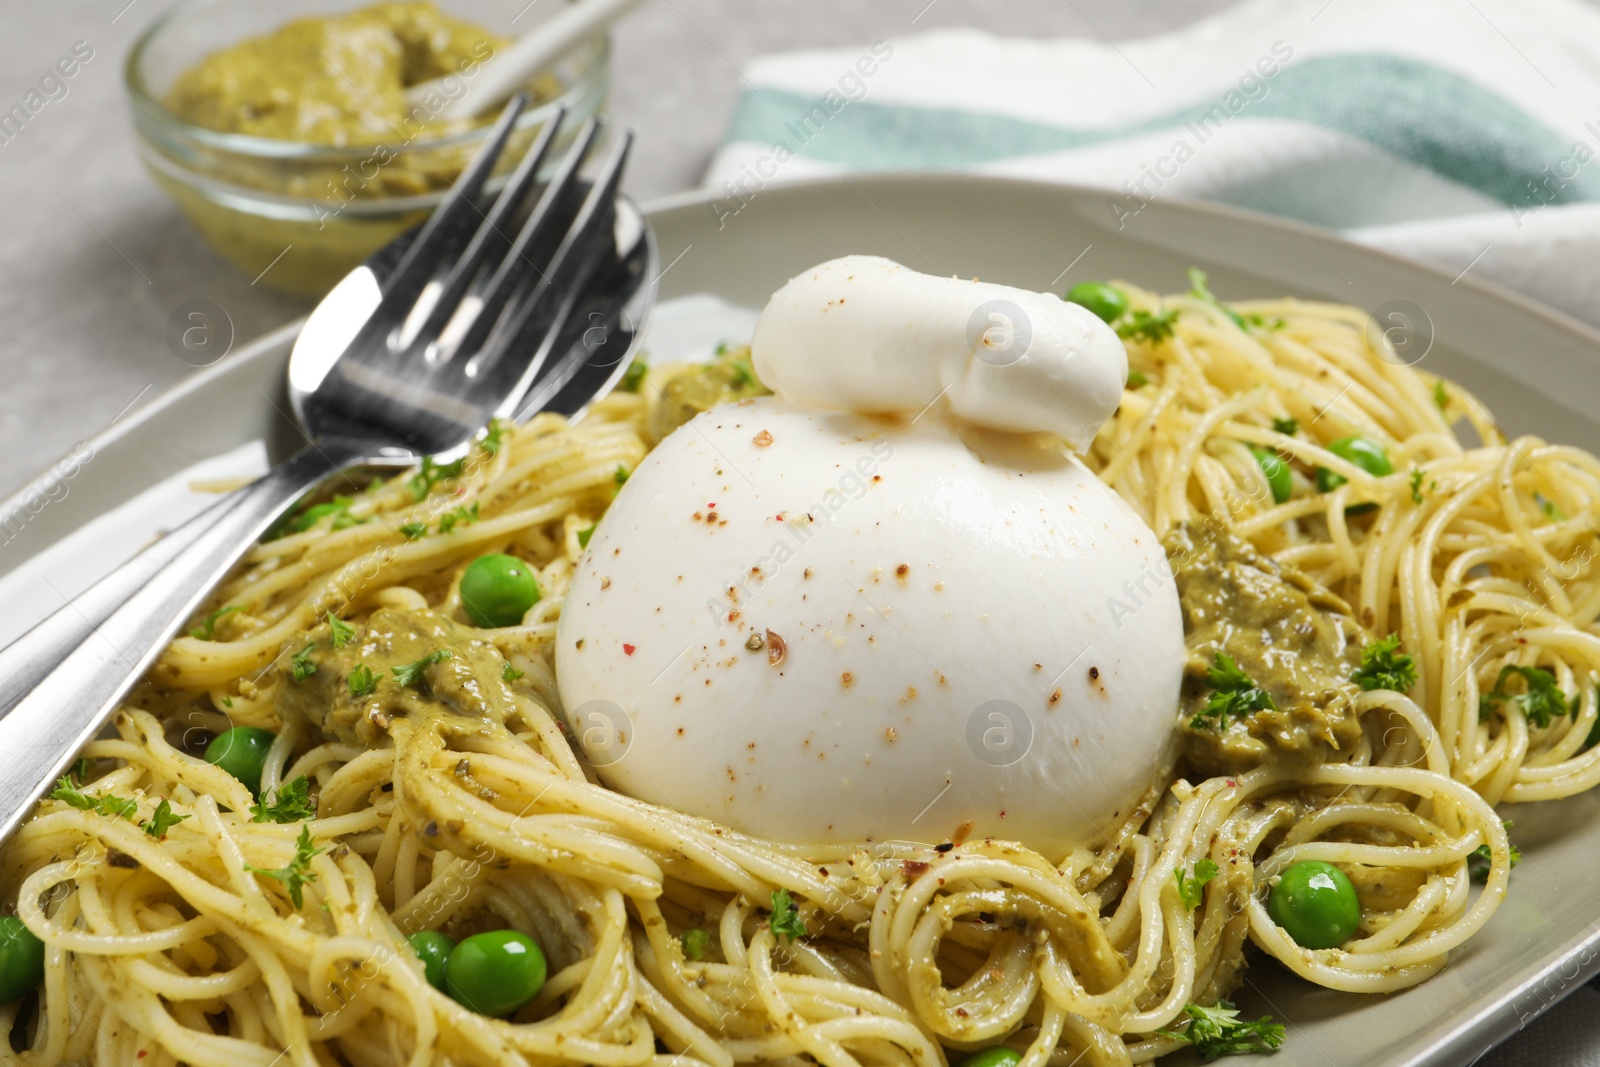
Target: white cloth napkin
1465, 132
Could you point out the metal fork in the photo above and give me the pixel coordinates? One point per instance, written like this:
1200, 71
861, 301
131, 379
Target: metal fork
407, 357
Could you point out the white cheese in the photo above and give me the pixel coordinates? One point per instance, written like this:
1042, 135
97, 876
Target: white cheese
863, 333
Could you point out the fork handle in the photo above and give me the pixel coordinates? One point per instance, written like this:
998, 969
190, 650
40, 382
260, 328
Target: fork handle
25, 662
70, 703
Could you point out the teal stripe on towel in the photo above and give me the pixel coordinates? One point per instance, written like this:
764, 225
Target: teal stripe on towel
1412, 110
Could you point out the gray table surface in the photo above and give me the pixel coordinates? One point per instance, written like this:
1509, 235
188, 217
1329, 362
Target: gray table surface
95, 258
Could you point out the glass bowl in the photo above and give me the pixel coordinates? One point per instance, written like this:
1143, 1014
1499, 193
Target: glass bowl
299, 216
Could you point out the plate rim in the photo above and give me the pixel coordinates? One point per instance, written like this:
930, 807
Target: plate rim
1553, 316
690, 198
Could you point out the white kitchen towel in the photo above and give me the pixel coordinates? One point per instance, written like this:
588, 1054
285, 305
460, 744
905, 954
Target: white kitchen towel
1465, 132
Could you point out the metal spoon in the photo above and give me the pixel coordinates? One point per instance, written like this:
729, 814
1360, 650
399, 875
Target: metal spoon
515, 65
377, 402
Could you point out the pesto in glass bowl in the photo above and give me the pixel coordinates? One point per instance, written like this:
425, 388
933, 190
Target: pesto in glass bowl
290, 145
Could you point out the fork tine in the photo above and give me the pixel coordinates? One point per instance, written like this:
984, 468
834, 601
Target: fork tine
571, 267
533, 246
599, 337
453, 220
438, 300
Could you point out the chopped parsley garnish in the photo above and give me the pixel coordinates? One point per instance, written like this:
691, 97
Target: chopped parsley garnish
1541, 701
340, 631
583, 537
1416, 485
620, 475
695, 943
1147, 327
1219, 1031
1190, 887
459, 515
1135, 379
1234, 695
431, 474
1261, 322
67, 792
633, 377
1441, 395
1480, 859
1287, 427
71, 796
207, 630
298, 872
786, 920
291, 802
300, 665
162, 820
1200, 291
741, 367
508, 673
117, 807
125, 808
413, 530
1384, 666
362, 680
338, 508
1551, 509
408, 673
493, 437
80, 769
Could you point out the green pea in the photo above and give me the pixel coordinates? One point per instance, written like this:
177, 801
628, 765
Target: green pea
433, 949
1315, 904
1106, 301
495, 973
1364, 452
242, 752
498, 590
1277, 472
21, 959
996, 1056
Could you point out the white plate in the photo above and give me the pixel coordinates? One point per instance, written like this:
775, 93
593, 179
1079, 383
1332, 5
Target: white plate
1539, 370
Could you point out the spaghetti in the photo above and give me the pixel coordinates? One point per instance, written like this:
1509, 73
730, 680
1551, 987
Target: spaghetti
175, 948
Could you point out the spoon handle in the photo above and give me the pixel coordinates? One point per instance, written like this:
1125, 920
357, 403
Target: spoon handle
70, 703
510, 69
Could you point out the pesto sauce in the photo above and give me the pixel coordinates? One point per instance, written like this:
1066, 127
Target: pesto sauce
728, 377
1293, 638
336, 81
466, 692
